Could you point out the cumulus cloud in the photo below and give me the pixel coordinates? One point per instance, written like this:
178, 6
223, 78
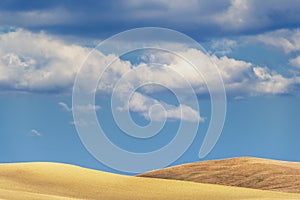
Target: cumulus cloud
37, 62
240, 78
47, 64
245, 79
272, 83
145, 105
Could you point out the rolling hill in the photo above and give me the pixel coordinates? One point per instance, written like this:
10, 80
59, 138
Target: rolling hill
245, 172
61, 182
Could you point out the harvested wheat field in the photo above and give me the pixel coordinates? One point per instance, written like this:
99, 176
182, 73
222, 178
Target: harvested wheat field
243, 172
61, 182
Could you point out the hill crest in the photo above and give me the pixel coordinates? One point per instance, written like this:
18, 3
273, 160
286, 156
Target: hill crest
248, 172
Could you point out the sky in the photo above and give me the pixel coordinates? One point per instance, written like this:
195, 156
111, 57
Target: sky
254, 46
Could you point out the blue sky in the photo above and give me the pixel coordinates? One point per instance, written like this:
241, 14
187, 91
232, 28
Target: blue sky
255, 45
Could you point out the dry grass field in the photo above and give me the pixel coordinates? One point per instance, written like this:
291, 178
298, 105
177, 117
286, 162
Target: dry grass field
31, 181
243, 172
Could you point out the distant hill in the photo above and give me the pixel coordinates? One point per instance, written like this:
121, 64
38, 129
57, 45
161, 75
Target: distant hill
243, 172
51, 181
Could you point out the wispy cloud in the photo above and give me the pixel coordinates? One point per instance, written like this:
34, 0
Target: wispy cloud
223, 46
80, 108
65, 106
285, 39
34, 132
296, 62
86, 108
250, 16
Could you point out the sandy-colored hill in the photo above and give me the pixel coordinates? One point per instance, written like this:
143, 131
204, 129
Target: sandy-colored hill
61, 182
243, 172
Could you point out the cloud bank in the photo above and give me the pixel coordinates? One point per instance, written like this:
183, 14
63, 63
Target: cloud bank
197, 18
37, 62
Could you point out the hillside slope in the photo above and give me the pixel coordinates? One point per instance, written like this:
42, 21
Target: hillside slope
61, 182
243, 172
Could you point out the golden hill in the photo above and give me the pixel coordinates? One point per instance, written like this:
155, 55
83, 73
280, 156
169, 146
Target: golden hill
243, 172
61, 182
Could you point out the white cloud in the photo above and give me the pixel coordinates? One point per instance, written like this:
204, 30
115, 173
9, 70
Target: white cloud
224, 17
65, 106
240, 78
80, 108
37, 62
271, 83
236, 16
245, 15
287, 40
56, 16
223, 46
48, 64
296, 62
82, 122
195, 12
87, 108
145, 105
245, 79
34, 132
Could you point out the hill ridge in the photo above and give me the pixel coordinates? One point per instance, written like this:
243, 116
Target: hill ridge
248, 172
